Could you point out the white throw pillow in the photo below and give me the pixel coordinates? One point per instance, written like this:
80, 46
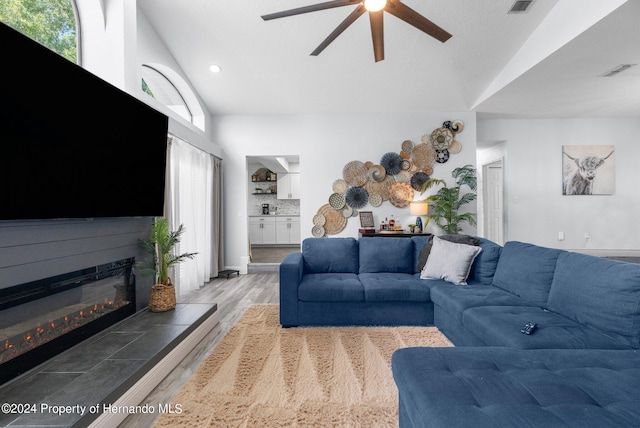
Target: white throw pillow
450, 261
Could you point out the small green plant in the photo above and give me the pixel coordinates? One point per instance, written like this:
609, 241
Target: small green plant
448, 200
160, 246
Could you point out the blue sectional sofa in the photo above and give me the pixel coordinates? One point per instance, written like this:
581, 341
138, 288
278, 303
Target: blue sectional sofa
580, 366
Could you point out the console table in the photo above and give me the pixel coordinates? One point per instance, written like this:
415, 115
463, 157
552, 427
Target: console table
391, 234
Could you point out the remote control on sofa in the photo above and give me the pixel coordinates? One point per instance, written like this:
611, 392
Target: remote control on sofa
528, 328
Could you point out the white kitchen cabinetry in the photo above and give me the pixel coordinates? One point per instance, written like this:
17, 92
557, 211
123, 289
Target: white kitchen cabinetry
262, 230
289, 186
288, 230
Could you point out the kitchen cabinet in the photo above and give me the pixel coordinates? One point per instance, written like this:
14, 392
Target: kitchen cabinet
289, 186
262, 230
288, 230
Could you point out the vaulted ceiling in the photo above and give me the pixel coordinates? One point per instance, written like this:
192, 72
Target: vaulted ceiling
545, 62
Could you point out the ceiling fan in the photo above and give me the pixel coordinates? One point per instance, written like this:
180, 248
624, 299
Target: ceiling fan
375, 9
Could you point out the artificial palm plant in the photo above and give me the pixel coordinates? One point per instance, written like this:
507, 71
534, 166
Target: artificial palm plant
448, 200
160, 246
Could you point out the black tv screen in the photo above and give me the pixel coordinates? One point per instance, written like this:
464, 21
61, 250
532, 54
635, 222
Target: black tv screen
71, 144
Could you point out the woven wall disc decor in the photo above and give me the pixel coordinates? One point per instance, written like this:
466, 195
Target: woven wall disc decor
455, 147
401, 195
375, 200
423, 155
380, 188
319, 220
441, 138
392, 163
407, 146
339, 186
355, 173
337, 201
335, 221
417, 180
376, 173
317, 231
357, 197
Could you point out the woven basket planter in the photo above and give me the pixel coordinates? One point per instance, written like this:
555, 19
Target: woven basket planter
162, 298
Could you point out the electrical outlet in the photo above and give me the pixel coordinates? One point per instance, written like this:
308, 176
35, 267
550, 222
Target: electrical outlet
560, 236
587, 236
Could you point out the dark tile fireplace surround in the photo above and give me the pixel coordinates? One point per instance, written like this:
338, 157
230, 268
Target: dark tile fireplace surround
42, 318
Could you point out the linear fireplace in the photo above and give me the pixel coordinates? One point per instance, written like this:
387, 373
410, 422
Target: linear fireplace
40, 319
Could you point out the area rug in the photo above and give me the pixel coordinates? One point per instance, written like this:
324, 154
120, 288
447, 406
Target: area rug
263, 375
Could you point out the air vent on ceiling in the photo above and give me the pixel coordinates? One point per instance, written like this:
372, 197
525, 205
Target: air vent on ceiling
520, 6
619, 69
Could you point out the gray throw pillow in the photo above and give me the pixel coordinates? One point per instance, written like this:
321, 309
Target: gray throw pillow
458, 239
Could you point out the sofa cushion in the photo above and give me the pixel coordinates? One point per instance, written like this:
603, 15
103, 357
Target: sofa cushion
455, 300
501, 325
450, 261
381, 254
598, 292
331, 287
502, 387
384, 286
419, 243
484, 266
330, 255
526, 270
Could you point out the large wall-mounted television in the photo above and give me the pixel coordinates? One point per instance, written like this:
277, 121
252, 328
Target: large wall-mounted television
71, 144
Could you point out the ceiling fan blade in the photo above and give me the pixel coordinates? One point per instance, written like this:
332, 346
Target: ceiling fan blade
410, 16
377, 34
312, 8
357, 13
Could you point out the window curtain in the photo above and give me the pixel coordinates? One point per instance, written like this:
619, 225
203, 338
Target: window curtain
193, 194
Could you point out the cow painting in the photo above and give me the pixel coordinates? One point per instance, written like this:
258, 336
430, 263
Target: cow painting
582, 169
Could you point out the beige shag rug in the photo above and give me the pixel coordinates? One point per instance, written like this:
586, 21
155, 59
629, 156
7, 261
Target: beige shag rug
262, 375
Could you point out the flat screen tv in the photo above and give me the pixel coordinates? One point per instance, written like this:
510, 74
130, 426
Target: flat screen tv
71, 144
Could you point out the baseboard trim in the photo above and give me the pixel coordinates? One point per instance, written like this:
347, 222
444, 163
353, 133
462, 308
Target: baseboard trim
153, 376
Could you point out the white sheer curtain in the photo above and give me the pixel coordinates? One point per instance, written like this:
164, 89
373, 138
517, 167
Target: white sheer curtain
190, 203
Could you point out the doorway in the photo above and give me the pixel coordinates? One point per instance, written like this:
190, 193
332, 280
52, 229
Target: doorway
493, 184
273, 210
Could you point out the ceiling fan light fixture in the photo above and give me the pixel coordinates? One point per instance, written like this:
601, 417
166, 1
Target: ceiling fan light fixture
374, 5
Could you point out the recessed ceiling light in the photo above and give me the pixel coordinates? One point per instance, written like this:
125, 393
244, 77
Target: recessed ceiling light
215, 68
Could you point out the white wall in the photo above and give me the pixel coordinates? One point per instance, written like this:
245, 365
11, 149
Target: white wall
325, 143
536, 208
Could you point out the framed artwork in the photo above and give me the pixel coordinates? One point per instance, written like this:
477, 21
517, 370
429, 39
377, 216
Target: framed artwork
366, 219
588, 170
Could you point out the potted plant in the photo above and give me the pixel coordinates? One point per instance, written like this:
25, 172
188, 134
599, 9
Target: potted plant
160, 245
448, 200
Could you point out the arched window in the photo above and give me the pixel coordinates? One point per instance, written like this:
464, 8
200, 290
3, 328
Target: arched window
167, 87
53, 23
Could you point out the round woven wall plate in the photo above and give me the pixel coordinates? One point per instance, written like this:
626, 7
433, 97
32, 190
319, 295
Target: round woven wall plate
377, 173
347, 211
401, 195
423, 156
335, 223
407, 146
392, 163
339, 186
319, 220
375, 200
455, 147
417, 180
357, 197
337, 201
355, 173
441, 138
380, 188
317, 231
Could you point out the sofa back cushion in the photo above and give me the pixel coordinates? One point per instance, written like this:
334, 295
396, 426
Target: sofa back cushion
379, 254
419, 243
599, 293
330, 255
526, 270
485, 264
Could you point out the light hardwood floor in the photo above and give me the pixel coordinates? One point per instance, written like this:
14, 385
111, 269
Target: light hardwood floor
233, 296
